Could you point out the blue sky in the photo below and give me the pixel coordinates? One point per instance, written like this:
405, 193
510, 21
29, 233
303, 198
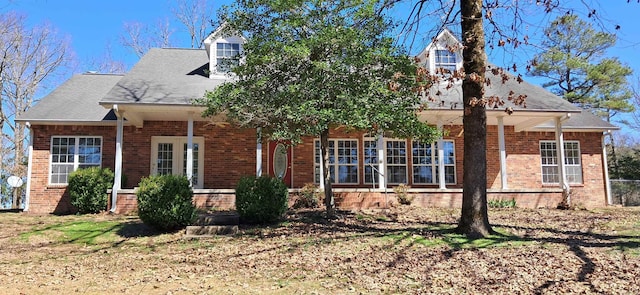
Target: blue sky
93, 25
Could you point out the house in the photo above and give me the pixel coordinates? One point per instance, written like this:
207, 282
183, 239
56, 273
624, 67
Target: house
144, 123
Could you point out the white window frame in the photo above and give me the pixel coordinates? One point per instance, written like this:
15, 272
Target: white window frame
375, 163
76, 156
217, 57
449, 64
388, 165
317, 157
434, 165
572, 161
178, 165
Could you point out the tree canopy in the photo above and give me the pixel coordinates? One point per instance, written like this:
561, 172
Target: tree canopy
310, 66
574, 65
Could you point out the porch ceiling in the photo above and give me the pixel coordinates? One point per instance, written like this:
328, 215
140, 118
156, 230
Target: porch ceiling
522, 121
137, 114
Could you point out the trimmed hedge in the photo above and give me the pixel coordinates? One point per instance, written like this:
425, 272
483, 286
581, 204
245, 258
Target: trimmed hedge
262, 199
165, 202
88, 189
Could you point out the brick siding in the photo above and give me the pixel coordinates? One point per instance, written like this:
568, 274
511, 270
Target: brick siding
230, 153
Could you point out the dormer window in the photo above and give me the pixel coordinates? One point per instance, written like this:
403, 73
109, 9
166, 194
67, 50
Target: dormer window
445, 61
227, 56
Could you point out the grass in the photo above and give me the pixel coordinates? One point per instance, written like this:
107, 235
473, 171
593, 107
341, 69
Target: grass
83, 232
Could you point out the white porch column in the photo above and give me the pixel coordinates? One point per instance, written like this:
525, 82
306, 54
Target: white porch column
189, 167
27, 194
503, 154
441, 175
382, 160
117, 179
321, 176
560, 154
605, 167
259, 152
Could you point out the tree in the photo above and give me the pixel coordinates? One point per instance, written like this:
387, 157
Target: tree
140, 37
572, 62
310, 66
195, 16
506, 20
474, 219
29, 56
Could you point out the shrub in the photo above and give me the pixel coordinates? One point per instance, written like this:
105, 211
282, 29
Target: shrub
88, 189
401, 193
165, 202
499, 203
308, 197
261, 200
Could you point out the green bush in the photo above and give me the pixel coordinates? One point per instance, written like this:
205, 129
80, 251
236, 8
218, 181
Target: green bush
261, 200
499, 203
88, 189
165, 202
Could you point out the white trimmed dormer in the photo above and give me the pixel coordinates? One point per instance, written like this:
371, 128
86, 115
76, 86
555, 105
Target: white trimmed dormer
224, 51
443, 55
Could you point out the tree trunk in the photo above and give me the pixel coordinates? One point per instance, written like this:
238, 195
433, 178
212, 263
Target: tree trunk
474, 220
329, 202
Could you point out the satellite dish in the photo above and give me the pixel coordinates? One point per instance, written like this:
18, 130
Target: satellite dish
14, 181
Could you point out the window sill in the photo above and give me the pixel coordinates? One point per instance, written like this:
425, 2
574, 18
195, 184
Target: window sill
56, 186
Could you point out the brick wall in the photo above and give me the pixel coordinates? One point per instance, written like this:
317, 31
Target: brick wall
230, 153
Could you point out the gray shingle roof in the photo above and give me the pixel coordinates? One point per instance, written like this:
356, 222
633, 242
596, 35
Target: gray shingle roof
165, 76
441, 96
584, 120
76, 100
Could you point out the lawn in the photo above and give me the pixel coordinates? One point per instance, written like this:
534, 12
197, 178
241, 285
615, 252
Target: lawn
404, 250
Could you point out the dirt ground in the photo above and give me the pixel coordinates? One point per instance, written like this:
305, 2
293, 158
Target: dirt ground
407, 250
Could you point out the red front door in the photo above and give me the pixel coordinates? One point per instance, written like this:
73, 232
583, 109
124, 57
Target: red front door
280, 161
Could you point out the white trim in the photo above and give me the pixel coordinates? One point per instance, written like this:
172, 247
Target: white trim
117, 179
442, 182
75, 156
436, 165
189, 164
178, 155
336, 164
503, 154
382, 162
259, 152
27, 195
605, 167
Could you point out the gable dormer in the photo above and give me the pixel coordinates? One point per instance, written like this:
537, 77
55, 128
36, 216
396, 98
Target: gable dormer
224, 51
443, 55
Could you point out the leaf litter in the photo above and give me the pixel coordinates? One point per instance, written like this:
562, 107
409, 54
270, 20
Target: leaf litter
397, 251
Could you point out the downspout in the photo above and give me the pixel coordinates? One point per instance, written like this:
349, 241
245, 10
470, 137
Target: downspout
564, 184
29, 169
605, 165
117, 179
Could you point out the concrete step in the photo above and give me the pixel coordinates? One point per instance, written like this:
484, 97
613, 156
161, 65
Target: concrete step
218, 218
197, 231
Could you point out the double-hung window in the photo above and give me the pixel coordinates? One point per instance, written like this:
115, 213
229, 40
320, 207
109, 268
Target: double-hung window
396, 151
426, 169
445, 61
343, 161
549, 161
227, 56
370, 158
70, 153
